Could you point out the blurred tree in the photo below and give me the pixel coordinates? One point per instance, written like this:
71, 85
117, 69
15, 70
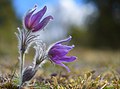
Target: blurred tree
80, 36
7, 15
105, 30
7, 26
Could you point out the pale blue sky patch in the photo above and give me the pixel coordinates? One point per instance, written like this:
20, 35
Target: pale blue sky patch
21, 6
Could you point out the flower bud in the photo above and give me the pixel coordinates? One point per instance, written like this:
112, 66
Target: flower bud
28, 74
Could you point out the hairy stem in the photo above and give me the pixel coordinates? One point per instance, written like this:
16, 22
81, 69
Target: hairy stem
22, 58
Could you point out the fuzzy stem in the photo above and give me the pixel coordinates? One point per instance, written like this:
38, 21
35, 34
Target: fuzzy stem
22, 58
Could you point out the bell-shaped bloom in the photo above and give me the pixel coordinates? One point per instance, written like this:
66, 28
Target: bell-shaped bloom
32, 21
58, 53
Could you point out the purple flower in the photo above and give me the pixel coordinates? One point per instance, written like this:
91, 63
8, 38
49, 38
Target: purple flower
32, 21
57, 53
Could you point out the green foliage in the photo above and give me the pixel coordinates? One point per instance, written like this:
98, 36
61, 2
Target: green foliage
8, 25
7, 15
102, 30
81, 37
106, 28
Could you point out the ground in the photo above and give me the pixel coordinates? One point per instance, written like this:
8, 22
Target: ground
93, 69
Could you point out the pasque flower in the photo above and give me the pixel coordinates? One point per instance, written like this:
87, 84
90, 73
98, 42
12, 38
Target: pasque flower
57, 53
32, 21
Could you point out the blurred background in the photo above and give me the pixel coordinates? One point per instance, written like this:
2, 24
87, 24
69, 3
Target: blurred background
93, 24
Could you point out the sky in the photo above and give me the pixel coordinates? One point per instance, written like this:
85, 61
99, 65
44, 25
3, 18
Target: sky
21, 6
64, 12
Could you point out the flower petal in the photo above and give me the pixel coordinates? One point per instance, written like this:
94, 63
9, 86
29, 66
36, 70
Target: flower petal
59, 53
42, 24
63, 65
68, 59
35, 19
60, 46
65, 40
27, 17
60, 50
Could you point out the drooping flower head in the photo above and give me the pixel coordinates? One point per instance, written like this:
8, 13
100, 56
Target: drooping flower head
57, 53
32, 21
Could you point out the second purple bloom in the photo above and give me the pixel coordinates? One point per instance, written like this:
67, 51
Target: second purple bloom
57, 53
